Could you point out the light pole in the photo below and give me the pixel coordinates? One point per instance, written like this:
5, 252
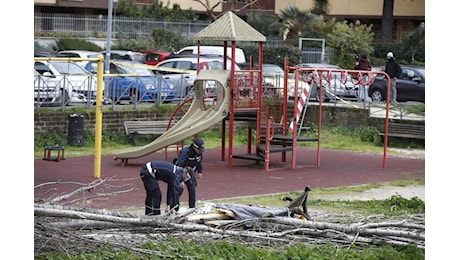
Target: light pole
109, 37
114, 27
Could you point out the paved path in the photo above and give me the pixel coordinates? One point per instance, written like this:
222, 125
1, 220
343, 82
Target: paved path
337, 168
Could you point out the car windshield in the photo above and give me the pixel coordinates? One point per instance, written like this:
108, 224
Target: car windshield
218, 65
69, 68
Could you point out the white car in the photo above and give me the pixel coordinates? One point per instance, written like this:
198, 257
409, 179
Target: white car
63, 80
335, 84
79, 54
48, 90
182, 71
210, 50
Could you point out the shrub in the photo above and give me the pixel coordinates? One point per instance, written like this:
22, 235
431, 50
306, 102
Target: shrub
75, 44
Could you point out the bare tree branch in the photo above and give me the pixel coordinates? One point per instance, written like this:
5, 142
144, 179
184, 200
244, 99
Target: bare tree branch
210, 9
69, 230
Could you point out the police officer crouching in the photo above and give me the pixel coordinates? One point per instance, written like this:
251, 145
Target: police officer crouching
173, 175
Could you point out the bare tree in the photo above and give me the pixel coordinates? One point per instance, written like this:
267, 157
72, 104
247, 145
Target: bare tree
387, 20
212, 14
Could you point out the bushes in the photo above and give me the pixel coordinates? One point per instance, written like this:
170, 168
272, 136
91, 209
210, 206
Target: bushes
75, 44
273, 54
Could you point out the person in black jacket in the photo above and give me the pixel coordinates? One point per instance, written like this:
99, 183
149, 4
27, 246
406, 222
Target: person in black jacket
193, 159
173, 175
393, 69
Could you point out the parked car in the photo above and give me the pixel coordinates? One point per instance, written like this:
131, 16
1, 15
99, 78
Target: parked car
63, 80
48, 90
79, 54
410, 86
126, 55
135, 82
182, 71
273, 80
153, 57
335, 85
210, 50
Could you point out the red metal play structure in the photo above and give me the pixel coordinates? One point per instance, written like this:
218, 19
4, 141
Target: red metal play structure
248, 94
271, 112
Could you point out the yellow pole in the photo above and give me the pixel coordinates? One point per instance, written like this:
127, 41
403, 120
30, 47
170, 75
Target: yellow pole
98, 131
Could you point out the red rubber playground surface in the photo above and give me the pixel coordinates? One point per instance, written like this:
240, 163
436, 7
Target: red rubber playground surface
244, 178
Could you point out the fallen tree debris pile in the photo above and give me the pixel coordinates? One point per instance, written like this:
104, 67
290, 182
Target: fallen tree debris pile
60, 228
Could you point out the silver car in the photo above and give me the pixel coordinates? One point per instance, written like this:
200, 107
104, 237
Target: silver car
335, 83
182, 71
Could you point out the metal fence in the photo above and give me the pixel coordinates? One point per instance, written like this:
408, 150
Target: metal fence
62, 93
95, 26
86, 26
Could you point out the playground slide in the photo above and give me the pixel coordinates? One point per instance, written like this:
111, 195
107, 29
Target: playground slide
197, 119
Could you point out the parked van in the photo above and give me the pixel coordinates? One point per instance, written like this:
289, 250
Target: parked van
211, 50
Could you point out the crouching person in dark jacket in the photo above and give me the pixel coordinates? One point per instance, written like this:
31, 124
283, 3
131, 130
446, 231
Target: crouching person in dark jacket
173, 175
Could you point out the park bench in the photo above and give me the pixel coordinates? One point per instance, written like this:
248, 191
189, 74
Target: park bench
134, 128
404, 130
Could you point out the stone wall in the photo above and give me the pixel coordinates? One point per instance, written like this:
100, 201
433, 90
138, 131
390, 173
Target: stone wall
111, 120
57, 121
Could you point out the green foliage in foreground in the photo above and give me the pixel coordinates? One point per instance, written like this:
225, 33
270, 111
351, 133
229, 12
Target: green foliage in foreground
180, 249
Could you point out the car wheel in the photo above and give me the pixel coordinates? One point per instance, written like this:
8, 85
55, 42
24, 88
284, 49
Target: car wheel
377, 95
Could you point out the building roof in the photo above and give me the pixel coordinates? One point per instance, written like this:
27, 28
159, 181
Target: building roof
229, 27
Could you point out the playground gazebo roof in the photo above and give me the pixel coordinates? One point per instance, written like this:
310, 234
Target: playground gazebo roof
229, 27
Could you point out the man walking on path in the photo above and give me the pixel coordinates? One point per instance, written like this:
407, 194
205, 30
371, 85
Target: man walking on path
393, 69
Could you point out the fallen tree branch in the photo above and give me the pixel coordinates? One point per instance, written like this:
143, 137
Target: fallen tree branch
62, 228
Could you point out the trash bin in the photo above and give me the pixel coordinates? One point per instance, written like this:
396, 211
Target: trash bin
75, 133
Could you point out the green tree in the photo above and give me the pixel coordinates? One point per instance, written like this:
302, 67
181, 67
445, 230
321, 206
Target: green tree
346, 40
413, 45
128, 8
160, 39
320, 7
295, 23
262, 23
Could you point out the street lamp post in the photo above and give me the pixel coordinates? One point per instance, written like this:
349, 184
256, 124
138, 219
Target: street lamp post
109, 37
